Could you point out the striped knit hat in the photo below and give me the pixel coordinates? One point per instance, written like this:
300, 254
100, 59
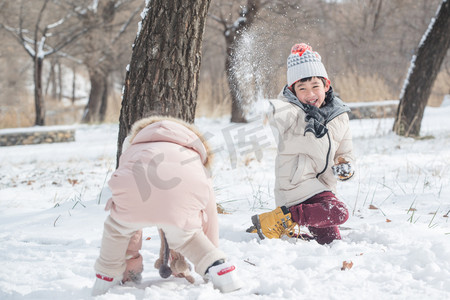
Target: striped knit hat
303, 62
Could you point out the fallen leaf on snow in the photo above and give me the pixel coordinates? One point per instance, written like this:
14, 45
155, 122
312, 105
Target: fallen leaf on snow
72, 181
346, 265
372, 207
221, 210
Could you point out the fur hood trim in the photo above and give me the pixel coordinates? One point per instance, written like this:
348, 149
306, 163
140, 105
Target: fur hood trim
142, 123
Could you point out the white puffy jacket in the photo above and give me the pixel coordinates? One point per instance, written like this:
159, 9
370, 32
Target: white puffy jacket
310, 141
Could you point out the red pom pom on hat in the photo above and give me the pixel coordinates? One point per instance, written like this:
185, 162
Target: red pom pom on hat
300, 49
303, 62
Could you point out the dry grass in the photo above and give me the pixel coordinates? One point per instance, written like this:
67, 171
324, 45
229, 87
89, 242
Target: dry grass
213, 100
22, 114
354, 88
114, 105
12, 117
18, 113
440, 89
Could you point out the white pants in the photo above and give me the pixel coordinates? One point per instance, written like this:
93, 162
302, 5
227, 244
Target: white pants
192, 244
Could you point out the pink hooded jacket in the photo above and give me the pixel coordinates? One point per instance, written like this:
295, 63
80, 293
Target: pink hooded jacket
163, 178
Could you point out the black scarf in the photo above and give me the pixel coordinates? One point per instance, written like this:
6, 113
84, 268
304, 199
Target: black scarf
317, 118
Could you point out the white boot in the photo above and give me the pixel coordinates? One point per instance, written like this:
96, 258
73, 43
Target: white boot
224, 277
103, 283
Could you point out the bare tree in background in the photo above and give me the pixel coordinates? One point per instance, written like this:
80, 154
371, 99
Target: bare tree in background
232, 31
423, 71
165, 64
362, 37
41, 41
101, 49
54, 79
365, 44
255, 39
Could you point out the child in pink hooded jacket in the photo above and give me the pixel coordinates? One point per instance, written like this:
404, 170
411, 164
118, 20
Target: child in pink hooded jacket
162, 180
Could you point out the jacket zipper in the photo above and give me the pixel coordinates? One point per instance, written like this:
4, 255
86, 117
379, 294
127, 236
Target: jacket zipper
328, 154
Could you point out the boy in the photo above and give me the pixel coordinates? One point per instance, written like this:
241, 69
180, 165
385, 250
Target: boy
314, 146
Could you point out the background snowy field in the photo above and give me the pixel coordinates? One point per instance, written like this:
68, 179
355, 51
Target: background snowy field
397, 237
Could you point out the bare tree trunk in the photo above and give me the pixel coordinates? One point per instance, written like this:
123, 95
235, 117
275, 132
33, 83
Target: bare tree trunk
165, 64
98, 61
74, 81
54, 80
60, 81
51, 78
233, 34
423, 71
96, 94
38, 97
104, 102
237, 110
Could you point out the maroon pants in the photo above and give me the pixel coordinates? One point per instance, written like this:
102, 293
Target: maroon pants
322, 214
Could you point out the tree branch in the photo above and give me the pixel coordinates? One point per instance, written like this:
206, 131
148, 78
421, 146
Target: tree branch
20, 38
36, 29
125, 26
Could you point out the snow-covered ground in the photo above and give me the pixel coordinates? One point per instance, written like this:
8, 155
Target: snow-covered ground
397, 237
